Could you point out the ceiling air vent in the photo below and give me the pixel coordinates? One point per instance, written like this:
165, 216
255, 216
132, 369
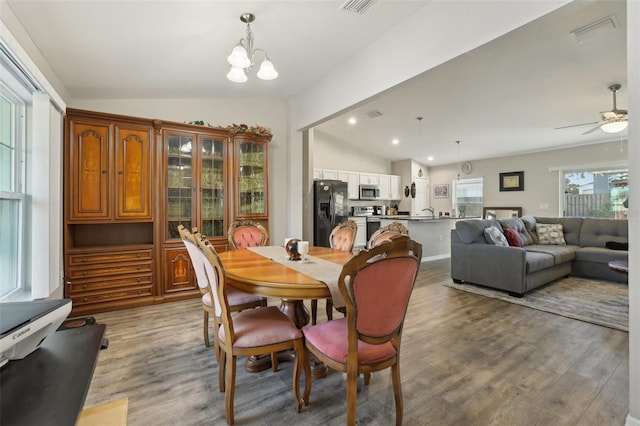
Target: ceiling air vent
594, 29
374, 113
357, 6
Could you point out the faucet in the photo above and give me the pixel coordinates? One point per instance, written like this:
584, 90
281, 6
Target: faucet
430, 210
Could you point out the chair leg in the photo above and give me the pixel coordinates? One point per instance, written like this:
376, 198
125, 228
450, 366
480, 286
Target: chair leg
230, 379
314, 311
274, 361
298, 347
397, 392
367, 378
329, 308
352, 395
206, 328
221, 370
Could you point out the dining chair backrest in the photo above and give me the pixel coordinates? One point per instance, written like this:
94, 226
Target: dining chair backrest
198, 261
217, 281
376, 286
385, 233
245, 233
343, 235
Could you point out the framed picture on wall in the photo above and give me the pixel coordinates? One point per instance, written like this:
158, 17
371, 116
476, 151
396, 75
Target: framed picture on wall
512, 181
441, 190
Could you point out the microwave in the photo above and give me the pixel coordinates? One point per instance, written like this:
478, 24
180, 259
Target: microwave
369, 192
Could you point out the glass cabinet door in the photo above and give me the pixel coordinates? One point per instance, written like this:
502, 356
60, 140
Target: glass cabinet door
212, 187
252, 178
179, 183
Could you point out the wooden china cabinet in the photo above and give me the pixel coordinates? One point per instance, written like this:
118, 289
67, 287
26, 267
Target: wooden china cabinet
108, 235
129, 183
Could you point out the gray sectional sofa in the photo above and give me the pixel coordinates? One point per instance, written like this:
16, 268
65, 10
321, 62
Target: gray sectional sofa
517, 270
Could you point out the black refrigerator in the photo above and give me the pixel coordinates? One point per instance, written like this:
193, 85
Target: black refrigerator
330, 207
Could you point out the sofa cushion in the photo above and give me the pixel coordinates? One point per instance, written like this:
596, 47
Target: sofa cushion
538, 261
597, 232
513, 238
530, 228
599, 255
570, 227
493, 235
550, 233
517, 225
561, 254
472, 230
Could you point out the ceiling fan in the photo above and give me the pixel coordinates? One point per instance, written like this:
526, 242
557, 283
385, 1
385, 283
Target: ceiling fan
611, 121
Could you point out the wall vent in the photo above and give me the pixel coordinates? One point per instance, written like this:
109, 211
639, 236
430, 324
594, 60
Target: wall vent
374, 113
594, 29
357, 6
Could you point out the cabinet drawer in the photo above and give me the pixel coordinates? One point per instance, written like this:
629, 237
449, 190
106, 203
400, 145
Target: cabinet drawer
109, 296
106, 271
104, 257
79, 286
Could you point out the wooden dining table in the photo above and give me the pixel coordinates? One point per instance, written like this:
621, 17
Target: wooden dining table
257, 274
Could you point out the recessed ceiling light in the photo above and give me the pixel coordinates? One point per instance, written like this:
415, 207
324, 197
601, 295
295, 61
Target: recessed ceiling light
430, 158
395, 141
352, 120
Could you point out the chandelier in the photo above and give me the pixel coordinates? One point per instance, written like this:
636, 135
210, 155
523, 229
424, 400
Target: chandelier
242, 55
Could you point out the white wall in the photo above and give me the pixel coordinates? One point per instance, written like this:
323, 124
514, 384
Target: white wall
541, 185
336, 154
271, 113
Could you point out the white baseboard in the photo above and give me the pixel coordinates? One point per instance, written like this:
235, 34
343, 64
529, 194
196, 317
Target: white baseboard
436, 257
632, 421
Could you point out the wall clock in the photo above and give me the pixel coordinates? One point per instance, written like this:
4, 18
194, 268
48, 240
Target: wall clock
465, 168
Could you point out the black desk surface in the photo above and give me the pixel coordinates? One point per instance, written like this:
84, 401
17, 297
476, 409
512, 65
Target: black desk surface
49, 386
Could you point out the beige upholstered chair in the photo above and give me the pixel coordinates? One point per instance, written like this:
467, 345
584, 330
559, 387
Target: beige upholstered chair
342, 237
245, 233
251, 332
382, 235
376, 285
238, 300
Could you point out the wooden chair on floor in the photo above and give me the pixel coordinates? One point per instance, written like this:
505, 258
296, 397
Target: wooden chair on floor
238, 300
376, 286
250, 332
245, 233
382, 235
342, 237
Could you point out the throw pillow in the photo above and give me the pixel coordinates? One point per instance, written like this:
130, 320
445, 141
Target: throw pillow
550, 234
513, 238
494, 236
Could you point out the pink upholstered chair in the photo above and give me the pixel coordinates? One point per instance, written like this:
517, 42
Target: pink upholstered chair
245, 233
238, 300
376, 285
250, 332
382, 235
342, 237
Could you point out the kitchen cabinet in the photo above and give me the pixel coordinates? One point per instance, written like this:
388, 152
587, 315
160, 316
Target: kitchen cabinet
329, 174
353, 181
361, 234
317, 174
369, 179
385, 187
394, 187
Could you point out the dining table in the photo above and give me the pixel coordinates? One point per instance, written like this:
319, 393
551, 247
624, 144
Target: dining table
269, 272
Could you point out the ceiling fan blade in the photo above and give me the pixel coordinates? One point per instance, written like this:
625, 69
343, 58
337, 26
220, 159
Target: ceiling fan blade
592, 130
576, 125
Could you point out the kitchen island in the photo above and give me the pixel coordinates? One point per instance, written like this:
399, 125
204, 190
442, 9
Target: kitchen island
433, 234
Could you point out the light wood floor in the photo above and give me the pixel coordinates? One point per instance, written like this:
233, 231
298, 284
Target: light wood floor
466, 360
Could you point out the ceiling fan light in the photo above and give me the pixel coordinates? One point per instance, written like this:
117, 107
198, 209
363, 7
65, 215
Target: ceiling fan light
267, 71
614, 126
239, 57
237, 75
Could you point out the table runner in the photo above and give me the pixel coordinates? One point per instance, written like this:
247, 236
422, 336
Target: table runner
316, 268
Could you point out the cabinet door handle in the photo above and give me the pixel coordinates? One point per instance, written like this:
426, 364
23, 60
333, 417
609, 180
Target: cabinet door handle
85, 286
139, 279
104, 172
120, 172
84, 272
139, 255
84, 259
139, 267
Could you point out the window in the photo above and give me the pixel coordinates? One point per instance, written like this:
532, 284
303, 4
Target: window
596, 193
12, 192
468, 197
